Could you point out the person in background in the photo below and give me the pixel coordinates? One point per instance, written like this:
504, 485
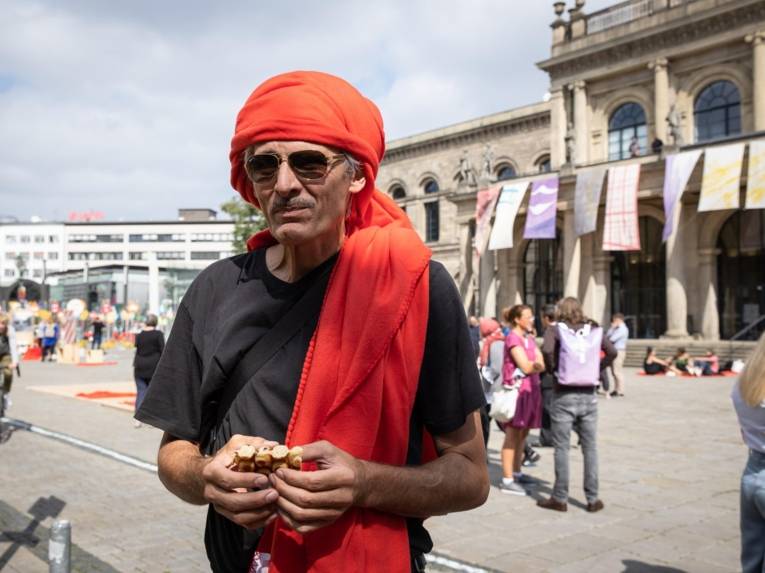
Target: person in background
575, 402
522, 364
149, 344
683, 362
98, 332
618, 334
491, 362
9, 356
475, 335
653, 365
748, 397
547, 381
50, 338
709, 364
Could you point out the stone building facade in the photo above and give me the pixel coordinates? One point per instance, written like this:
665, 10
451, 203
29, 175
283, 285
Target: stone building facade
629, 84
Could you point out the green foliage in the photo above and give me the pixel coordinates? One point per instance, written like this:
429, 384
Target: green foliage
247, 221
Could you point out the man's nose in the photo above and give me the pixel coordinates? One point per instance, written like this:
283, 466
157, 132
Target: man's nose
286, 181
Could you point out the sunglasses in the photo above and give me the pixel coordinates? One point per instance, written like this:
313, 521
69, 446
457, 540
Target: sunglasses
308, 164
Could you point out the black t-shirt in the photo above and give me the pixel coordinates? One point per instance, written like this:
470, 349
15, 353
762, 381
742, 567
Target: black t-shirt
148, 348
234, 302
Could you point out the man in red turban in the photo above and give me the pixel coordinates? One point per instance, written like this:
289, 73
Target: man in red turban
376, 380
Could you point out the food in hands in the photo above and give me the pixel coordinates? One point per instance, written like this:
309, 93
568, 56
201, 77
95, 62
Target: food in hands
266, 460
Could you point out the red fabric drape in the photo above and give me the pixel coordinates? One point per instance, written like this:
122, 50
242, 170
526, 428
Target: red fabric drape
361, 371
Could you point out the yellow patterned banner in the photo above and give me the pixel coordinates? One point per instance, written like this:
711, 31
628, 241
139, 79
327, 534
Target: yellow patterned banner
722, 177
755, 181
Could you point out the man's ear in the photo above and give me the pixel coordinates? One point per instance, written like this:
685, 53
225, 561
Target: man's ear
357, 184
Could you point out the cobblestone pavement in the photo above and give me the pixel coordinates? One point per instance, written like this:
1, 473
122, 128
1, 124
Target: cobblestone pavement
670, 462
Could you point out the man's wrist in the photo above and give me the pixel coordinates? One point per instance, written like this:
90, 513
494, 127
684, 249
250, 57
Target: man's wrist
362, 474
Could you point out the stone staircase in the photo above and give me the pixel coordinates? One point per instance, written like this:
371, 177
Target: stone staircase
726, 350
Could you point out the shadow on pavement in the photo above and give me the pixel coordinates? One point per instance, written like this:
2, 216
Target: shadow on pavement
44, 507
632, 566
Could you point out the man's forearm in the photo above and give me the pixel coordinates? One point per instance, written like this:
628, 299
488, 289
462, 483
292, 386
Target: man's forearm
180, 469
450, 483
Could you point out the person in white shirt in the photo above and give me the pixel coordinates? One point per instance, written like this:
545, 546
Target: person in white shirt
749, 401
618, 334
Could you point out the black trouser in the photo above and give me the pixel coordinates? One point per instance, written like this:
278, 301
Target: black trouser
545, 433
418, 563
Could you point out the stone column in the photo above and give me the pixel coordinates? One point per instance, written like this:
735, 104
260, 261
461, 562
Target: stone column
512, 282
758, 72
572, 256
600, 301
557, 129
677, 300
707, 276
580, 122
660, 97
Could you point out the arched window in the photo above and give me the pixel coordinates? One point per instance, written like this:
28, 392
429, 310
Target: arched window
543, 164
542, 274
505, 171
430, 186
398, 192
432, 223
717, 111
627, 132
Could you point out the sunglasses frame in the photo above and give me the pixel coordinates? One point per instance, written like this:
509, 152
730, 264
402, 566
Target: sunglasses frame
332, 161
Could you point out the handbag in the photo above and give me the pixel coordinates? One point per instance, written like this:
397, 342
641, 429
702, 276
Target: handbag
503, 403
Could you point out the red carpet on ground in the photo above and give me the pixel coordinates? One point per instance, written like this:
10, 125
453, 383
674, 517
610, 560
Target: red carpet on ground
726, 374
99, 394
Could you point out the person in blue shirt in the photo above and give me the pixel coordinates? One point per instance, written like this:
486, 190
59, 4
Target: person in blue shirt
618, 334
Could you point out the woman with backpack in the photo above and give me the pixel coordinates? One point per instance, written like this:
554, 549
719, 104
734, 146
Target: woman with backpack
749, 401
522, 364
572, 353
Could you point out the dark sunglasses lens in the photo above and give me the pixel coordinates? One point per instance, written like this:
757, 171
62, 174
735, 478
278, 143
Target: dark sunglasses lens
263, 167
309, 164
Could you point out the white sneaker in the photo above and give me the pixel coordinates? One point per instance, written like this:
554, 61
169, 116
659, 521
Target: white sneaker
513, 488
137, 424
7, 402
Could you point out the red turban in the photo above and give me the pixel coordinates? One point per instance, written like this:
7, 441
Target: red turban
361, 371
324, 109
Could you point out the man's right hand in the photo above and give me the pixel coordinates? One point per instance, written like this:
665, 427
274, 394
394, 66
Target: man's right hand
245, 498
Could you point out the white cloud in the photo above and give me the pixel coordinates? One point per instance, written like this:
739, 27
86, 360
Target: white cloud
128, 108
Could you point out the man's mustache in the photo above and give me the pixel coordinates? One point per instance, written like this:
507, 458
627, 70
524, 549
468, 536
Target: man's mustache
291, 204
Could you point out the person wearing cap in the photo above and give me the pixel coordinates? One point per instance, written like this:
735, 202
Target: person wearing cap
378, 384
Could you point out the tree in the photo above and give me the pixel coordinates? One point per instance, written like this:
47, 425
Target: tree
247, 221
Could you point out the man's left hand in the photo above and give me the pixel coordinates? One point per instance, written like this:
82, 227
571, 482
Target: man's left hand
311, 500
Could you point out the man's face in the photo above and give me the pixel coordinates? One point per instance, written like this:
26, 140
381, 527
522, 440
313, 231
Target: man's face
301, 210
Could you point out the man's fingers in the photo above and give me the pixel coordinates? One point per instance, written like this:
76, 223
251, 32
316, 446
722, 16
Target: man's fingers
301, 497
218, 474
304, 520
239, 502
317, 450
250, 519
320, 480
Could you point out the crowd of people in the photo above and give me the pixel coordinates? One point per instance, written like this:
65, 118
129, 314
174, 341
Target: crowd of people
681, 363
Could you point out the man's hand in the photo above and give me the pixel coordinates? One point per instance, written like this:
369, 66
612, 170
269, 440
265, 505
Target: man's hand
231, 493
311, 500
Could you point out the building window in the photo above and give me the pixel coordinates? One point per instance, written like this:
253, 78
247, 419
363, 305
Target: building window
205, 255
170, 255
157, 238
39, 256
9, 273
26, 238
10, 238
430, 186
627, 132
53, 238
137, 256
37, 273
543, 164
505, 172
717, 111
52, 256
398, 192
212, 237
431, 222
10, 255
39, 238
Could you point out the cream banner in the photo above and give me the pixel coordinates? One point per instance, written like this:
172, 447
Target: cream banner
509, 202
722, 177
589, 185
621, 231
677, 171
755, 184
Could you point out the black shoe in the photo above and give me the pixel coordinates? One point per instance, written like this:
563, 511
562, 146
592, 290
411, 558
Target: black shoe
552, 504
614, 394
595, 506
531, 459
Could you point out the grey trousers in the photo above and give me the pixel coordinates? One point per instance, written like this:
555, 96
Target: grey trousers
577, 411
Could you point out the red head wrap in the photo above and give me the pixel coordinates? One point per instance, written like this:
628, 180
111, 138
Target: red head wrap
324, 109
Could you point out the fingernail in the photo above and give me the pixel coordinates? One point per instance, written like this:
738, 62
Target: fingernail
261, 481
271, 496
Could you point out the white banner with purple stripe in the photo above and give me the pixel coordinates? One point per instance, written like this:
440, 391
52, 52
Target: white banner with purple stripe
540, 215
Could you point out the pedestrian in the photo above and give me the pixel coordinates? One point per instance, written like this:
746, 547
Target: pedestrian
748, 397
335, 332
618, 334
475, 335
547, 381
149, 344
9, 357
491, 361
98, 332
50, 338
522, 364
572, 352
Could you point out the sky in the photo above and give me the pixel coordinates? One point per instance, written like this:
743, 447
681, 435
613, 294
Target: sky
127, 108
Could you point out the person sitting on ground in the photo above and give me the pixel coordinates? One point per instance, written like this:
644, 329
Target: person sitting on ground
709, 363
684, 362
653, 365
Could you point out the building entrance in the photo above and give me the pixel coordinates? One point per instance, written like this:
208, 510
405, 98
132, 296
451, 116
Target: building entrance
741, 275
542, 275
638, 283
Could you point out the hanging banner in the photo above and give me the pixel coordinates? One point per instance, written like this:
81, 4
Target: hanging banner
485, 201
677, 170
509, 202
755, 181
722, 177
540, 215
589, 185
621, 231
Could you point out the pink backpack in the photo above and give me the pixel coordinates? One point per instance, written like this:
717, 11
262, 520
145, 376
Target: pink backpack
579, 357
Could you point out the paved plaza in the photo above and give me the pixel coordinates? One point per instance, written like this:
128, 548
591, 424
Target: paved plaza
670, 462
